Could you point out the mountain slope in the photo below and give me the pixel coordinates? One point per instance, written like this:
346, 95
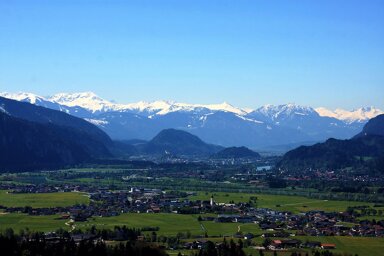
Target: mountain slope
362, 151
26, 145
90, 136
36, 137
177, 142
375, 127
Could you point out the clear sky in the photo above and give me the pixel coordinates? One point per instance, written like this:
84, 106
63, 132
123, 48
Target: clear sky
248, 53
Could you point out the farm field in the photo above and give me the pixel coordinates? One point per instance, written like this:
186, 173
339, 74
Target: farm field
293, 204
40, 200
363, 246
19, 221
170, 224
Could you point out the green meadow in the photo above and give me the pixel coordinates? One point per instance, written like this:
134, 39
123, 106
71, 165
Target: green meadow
363, 246
294, 204
170, 224
40, 200
19, 221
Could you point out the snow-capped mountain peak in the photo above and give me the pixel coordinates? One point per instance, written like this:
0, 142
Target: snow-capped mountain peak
356, 115
94, 103
227, 108
326, 112
274, 112
165, 107
24, 97
82, 102
87, 100
149, 106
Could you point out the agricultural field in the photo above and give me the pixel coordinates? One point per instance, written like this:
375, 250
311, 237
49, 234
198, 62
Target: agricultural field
170, 224
19, 221
294, 204
363, 246
40, 200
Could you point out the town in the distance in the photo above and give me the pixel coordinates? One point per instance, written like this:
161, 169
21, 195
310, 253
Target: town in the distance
82, 174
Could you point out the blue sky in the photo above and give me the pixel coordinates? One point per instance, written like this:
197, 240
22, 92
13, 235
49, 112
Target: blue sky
248, 53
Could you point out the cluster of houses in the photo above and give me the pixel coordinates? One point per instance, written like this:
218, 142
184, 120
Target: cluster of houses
43, 188
312, 223
274, 245
331, 175
283, 244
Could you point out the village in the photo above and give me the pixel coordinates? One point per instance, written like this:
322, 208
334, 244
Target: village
279, 228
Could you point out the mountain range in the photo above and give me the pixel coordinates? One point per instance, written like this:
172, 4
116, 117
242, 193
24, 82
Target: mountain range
34, 137
365, 151
221, 124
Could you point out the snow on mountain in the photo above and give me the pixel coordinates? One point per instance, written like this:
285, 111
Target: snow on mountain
35, 99
326, 112
282, 111
3, 110
86, 100
227, 108
94, 103
250, 119
356, 115
97, 122
158, 107
175, 107
24, 97
148, 107
89, 101
222, 123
